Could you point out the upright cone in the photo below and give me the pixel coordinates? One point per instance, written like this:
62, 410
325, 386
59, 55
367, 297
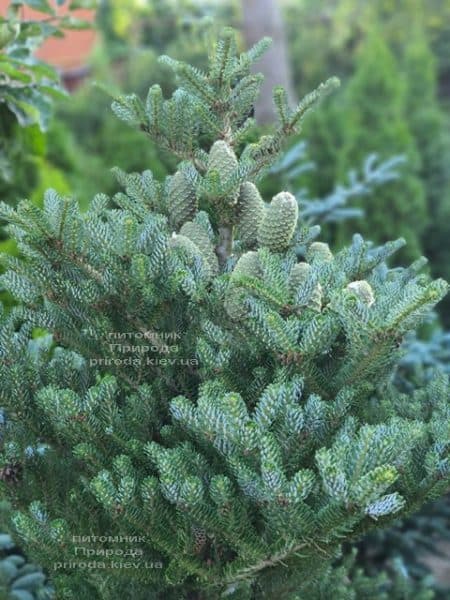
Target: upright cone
182, 199
251, 213
248, 265
223, 161
279, 223
197, 234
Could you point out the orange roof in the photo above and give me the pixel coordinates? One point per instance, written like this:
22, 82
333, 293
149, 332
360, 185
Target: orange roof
70, 52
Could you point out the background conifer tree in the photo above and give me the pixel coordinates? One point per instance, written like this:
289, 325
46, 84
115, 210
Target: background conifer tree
214, 397
378, 99
428, 125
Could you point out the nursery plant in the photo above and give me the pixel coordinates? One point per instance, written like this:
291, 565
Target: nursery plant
198, 394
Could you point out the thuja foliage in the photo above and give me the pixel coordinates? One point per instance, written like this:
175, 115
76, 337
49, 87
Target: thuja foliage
211, 412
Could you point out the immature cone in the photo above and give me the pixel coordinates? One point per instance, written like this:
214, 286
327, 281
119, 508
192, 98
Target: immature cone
251, 213
182, 199
298, 277
197, 234
319, 251
181, 241
222, 159
248, 265
279, 222
363, 291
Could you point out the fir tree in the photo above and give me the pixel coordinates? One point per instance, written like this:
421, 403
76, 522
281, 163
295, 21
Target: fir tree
213, 398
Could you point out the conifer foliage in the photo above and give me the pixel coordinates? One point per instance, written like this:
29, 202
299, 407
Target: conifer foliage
193, 380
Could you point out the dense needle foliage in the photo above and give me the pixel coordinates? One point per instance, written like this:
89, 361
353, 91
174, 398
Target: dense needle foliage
212, 412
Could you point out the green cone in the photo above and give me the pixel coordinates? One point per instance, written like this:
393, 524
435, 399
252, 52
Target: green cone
197, 234
251, 213
319, 251
363, 290
181, 241
298, 277
279, 222
182, 199
248, 265
223, 162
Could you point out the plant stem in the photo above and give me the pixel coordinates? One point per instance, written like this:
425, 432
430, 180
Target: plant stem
225, 244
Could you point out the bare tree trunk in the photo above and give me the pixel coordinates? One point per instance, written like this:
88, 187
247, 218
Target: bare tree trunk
263, 18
